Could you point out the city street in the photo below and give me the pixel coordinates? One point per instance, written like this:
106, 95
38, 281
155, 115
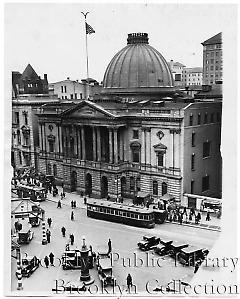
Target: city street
124, 245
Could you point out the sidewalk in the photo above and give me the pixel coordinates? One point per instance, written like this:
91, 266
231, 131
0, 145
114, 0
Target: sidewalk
214, 224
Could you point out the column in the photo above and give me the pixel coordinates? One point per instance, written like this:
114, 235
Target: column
79, 143
125, 149
120, 146
177, 148
45, 139
148, 146
115, 150
94, 144
99, 153
110, 145
143, 149
75, 141
172, 146
83, 143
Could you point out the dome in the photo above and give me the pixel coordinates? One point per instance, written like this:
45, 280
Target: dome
138, 68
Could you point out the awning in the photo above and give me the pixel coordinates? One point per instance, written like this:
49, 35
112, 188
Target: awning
212, 201
142, 194
167, 197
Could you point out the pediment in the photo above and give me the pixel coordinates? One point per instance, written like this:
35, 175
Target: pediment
87, 109
160, 147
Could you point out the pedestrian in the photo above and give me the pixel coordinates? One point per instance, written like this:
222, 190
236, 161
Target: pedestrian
48, 233
85, 200
208, 216
63, 229
109, 246
49, 221
197, 265
63, 194
72, 216
50, 189
51, 258
59, 205
46, 261
180, 218
71, 239
129, 282
199, 216
190, 217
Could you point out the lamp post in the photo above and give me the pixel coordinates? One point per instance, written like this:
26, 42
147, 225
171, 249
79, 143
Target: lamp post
85, 276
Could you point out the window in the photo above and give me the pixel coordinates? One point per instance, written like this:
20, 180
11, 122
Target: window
62, 89
81, 96
192, 186
193, 138
164, 188
65, 97
135, 147
135, 134
20, 157
191, 120
212, 60
155, 188
212, 118
138, 184
193, 162
212, 54
65, 88
71, 95
216, 68
132, 184
25, 119
55, 170
211, 68
160, 156
19, 137
205, 183
132, 215
199, 119
51, 146
75, 95
205, 118
17, 118
62, 97
206, 149
216, 53
49, 169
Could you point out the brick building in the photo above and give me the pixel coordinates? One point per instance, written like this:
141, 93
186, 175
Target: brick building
138, 135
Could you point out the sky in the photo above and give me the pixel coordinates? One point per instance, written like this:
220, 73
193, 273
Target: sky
51, 37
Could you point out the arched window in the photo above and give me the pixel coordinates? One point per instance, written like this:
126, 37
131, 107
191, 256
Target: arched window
155, 188
164, 188
49, 169
132, 183
54, 169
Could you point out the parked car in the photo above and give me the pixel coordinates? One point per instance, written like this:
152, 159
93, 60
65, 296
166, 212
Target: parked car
71, 259
175, 247
25, 236
148, 242
105, 272
29, 265
188, 256
163, 247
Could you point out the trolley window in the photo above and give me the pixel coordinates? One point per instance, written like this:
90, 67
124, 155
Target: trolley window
145, 217
136, 216
101, 209
132, 215
104, 211
108, 211
112, 211
116, 212
140, 216
128, 214
124, 214
120, 213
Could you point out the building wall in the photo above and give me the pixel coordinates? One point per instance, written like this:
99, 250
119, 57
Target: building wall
192, 77
212, 64
203, 166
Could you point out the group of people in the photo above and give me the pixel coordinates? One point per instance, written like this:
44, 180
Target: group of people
73, 204
179, 215
48, 259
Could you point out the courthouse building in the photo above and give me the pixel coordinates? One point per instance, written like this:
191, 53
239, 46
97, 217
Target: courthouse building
138, 135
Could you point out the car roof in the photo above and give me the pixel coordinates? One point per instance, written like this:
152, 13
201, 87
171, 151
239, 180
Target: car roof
178, 244
105, 263
191, 249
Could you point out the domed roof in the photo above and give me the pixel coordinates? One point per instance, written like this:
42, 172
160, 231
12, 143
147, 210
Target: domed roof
138, 68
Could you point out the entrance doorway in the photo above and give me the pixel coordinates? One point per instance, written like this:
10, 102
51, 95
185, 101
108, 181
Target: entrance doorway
104, 187
88, 184
73, 181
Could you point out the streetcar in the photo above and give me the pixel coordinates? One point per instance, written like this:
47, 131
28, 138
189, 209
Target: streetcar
117, 212
35, 193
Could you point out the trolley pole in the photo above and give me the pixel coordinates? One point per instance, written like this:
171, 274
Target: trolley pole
44, 239
19, 269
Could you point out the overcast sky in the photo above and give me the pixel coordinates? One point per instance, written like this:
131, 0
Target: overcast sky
51, 37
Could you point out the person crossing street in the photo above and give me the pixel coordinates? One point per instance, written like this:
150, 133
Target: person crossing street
63, 230
51, 258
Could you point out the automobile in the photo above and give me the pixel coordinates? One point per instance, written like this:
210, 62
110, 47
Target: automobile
29, 265
34, 219
71, 259
163, 247
188, 256
102, 253
25, 236
175, 247
105, 272
148, 242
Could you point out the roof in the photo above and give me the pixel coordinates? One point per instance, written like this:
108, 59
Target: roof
216, 39
177, 64
193, 69
29, 73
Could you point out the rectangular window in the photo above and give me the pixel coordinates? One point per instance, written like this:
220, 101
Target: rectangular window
193, 162
62, 89
51, 146
206, 149
75, 95
205, 183
193, 138
136, 156
128, 214
25, 119
71, 96
191, 120
212, 60
17, 118
65, 88
65, 97
205, 118
160, 159
212, 118
20, 157
192, 187
132, 215
132, 184
62, 97
112, 211
135, 134
81, 96
211, 68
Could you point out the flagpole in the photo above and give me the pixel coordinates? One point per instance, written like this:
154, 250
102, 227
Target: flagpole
85, 17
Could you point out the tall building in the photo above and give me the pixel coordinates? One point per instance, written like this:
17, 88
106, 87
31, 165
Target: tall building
138, 135
192, 76
75, 90
212, 60
177, 72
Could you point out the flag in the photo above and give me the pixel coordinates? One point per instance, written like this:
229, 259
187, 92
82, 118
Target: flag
89, 29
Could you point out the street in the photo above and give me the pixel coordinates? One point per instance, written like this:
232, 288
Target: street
126, 255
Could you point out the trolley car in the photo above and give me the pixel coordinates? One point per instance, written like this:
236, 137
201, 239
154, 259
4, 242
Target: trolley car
117, 212
35, 193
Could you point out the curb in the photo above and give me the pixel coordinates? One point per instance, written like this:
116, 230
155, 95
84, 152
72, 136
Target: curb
218, 228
